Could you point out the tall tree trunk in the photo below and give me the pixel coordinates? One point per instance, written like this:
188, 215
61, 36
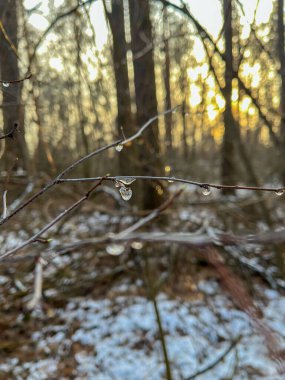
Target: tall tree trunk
43, 160
80, 111
281, 52
167, 102
15, 154
146, 101
127, 157
228, 167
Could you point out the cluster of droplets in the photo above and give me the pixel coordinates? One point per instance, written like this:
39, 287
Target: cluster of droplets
125, 191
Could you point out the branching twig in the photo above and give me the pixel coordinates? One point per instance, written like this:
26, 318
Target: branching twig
80, 161
36, 236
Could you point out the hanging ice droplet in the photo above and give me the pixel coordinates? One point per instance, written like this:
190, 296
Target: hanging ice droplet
6, 84
117, 184
280, 192
119, 147
171, 180
115, 249
137, 245
206, 190
127, 180
126, 193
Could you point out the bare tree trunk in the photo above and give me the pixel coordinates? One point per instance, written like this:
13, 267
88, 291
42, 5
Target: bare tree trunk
228, 166
184, 132
168, 117
281, 52
146, 101
15, 154
81, 116
127, 157
43, 159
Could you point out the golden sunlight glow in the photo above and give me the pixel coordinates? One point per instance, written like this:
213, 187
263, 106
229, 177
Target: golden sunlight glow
212, 112
245, 103
56, 63
195, 96
235, 95
251, 111
220, 101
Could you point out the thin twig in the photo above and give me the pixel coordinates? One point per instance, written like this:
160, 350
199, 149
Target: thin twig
35, 237
202, 185
58, 179
15, 81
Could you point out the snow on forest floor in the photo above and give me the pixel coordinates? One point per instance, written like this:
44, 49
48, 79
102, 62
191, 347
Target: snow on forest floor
118, 339
113, 334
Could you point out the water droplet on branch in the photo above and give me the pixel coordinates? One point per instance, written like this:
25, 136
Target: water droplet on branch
6, 84
119, 147
126, 193
115, 249
280, 192
206, 190
171, 180
127, 180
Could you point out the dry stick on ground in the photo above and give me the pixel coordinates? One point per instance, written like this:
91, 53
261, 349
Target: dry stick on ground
193, 240
80, 161
152, 295
214, 363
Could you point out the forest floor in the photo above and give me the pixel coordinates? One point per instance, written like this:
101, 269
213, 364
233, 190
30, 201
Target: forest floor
97, 317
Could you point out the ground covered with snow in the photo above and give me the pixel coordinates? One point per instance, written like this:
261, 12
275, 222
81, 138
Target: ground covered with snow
97, 321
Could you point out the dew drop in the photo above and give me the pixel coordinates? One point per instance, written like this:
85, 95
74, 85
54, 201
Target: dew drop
115, 249
137, 245
119, 147
117, 184
280, 192
127, 180
206, 190
126, 193
171, 180
6, 84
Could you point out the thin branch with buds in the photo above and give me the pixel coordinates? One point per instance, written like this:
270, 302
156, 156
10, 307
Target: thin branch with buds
60, 176
203, 185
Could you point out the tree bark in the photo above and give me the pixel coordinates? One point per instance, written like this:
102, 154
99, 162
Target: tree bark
146, 101
167, 101
281, 53
228, 166
15, 153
